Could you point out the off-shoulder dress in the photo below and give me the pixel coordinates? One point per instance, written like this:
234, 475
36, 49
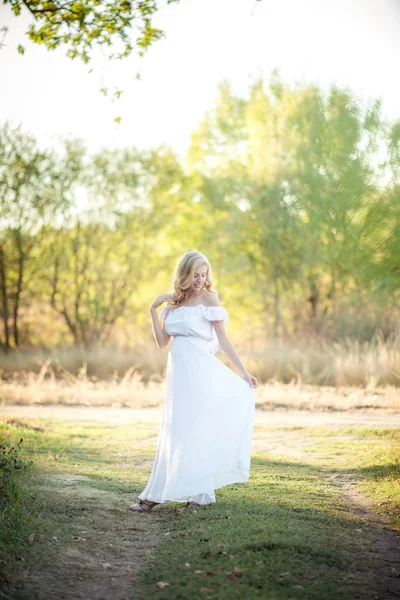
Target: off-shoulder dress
205, 436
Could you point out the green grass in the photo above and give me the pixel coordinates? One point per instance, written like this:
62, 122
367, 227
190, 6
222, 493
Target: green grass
370, 455
108, 467
285, 534
279, 535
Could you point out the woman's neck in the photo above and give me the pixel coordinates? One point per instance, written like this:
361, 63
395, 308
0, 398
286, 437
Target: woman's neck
192, 297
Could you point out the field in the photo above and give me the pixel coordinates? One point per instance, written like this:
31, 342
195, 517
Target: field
291, 186
318, 519
130, 391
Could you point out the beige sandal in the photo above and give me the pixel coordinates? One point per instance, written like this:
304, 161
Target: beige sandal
188, 506
192, 504
143, 506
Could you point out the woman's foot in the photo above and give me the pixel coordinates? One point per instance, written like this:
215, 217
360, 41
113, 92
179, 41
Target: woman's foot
143, 505
189, 506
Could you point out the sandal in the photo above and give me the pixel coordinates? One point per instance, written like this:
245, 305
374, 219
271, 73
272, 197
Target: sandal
192, 504
188, 506
143, 506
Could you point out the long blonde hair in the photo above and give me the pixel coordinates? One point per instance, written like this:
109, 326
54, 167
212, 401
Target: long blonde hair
183, 274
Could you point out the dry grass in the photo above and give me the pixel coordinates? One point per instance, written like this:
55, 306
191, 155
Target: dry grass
318, 362
297, 396
132, 392
97, 362
307, 376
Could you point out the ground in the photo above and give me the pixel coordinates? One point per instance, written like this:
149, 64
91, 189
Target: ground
318, 518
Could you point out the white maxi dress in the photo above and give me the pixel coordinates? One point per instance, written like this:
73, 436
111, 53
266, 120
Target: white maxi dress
206, 431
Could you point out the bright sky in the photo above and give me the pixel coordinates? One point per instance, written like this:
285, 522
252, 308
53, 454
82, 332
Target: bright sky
355, 44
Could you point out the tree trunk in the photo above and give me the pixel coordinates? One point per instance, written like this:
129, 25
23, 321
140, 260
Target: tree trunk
21, 264
314, 301
277, 309
4, 298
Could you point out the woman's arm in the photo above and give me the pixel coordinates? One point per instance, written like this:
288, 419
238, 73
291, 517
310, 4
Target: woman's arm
161, 336
228, 347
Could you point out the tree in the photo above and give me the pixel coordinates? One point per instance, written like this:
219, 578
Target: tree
241, 154
94, 270
300, 167
34, 188
335, 185
80, 24
100, 261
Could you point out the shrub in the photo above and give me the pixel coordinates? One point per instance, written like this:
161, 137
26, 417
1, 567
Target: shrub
10, 465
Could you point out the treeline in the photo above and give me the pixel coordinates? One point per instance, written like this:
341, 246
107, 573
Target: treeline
294, 196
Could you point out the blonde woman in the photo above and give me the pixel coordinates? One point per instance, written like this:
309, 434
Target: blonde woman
206, 430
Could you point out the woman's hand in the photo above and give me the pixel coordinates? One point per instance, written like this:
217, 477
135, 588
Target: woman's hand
160, 299
251, 380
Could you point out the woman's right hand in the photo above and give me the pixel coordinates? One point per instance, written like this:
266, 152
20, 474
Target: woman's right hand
251, 380
160, 299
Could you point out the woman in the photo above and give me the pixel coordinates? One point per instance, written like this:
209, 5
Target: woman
207, 425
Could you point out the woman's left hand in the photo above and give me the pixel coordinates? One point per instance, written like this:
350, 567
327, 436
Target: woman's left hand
251, 380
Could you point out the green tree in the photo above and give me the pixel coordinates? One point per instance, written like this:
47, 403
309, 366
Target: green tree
93, 272
81, 24
298, 173
102, 259
35, 187
240, 154
335, 184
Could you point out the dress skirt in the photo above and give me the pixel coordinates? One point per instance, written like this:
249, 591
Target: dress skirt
205, 436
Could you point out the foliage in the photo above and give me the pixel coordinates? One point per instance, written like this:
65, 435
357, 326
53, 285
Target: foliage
10, 464
302, 168
93, 273
293, 194
80, 24
35, 190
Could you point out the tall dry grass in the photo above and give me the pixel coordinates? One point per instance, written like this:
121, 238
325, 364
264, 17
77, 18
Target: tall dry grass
308, 376
315, 362
132, 392
318, 362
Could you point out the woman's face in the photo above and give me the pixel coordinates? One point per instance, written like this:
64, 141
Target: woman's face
199, 278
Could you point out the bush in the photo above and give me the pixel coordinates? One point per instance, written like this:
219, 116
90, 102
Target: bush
10, 465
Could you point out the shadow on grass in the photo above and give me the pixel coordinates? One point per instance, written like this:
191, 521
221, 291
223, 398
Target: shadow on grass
282, 535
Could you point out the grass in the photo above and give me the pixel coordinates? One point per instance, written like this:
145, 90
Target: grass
83, 476
308, 360
287, 533
281, 536
370, 454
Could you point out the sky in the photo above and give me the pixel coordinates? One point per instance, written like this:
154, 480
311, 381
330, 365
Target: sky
352, 44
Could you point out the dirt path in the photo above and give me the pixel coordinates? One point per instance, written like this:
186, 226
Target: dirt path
105, 564
99, 554
278, 419
385, 547
386, 542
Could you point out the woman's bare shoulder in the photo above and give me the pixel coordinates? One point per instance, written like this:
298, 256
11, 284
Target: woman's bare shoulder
211, 299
